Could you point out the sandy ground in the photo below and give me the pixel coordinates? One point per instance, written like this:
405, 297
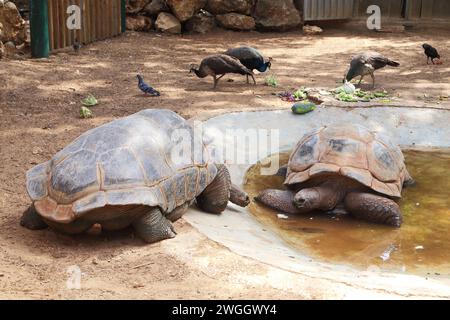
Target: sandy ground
39, 103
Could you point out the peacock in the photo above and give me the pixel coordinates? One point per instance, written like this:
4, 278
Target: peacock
218, 65
251, 58
366, 63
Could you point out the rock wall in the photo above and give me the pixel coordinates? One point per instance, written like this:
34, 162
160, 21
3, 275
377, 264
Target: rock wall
177, 16
14, 31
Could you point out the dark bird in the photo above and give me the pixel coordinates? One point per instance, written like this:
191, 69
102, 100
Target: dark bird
76, 46
431, 53
219, 65
146, 88
251, 58
366, 63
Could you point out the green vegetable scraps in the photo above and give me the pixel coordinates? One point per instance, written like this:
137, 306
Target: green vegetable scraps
301, 94
90, 101
85, 113
272, 81
358, 95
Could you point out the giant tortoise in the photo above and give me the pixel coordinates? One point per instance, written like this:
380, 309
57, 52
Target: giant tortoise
343, 164
133, 171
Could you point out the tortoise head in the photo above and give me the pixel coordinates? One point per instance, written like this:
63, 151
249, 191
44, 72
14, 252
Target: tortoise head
307, 199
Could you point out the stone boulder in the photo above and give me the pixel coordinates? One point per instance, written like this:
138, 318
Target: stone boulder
12, 26
139, 23
167, 23
135, 6
155, 7
236, 21
227, 6
277, 15
185, 9
201, 22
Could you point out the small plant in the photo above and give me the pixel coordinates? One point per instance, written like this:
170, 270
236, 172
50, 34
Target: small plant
85, 113
90, 101
272, 81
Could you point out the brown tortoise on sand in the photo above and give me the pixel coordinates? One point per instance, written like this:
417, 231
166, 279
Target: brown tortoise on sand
127, 172
346, 164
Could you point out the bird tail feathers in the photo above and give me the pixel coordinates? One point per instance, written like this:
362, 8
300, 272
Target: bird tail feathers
393, 63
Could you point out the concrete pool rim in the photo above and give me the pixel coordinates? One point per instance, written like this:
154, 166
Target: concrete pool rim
239, 231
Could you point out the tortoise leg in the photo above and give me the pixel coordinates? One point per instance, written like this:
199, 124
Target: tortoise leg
75, 227
279, 200
239, 196
32, 220
373, 208
153, 226
409, 181
214, 198
282, 172
178, 212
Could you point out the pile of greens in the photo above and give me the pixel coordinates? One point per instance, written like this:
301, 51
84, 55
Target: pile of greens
358, 96
298, 95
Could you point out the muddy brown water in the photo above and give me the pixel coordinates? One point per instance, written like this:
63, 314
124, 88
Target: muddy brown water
420, 246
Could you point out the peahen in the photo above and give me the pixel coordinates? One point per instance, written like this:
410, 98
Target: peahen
146, 88
219, 65
431, 53
251, 58
366, 63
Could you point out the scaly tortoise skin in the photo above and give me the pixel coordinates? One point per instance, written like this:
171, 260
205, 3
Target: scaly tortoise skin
128, 172
345, 165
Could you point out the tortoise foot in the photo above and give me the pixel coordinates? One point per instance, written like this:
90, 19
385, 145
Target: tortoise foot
373, 208
153, 227
32, 220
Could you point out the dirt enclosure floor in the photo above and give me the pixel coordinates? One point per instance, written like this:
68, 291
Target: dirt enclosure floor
39, 105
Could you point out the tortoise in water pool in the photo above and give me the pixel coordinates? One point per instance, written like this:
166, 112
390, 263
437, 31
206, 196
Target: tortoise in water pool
129, 172
345, 165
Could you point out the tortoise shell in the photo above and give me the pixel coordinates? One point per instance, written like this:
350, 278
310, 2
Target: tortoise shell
136, 160
352, 151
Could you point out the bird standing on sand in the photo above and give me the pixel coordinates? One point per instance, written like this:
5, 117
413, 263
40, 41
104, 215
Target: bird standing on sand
219, 65
366, 63
431, 53
146, 88
76, 46
251, 58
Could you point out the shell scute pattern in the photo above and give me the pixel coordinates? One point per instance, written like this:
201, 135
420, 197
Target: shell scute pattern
127, 161
352, 151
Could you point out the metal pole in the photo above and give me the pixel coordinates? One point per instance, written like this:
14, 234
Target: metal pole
124, 15
40, 45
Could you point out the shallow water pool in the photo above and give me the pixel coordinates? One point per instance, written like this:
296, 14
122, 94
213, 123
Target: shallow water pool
420, 246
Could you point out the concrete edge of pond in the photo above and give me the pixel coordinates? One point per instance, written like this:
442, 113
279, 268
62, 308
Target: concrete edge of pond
239, 231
